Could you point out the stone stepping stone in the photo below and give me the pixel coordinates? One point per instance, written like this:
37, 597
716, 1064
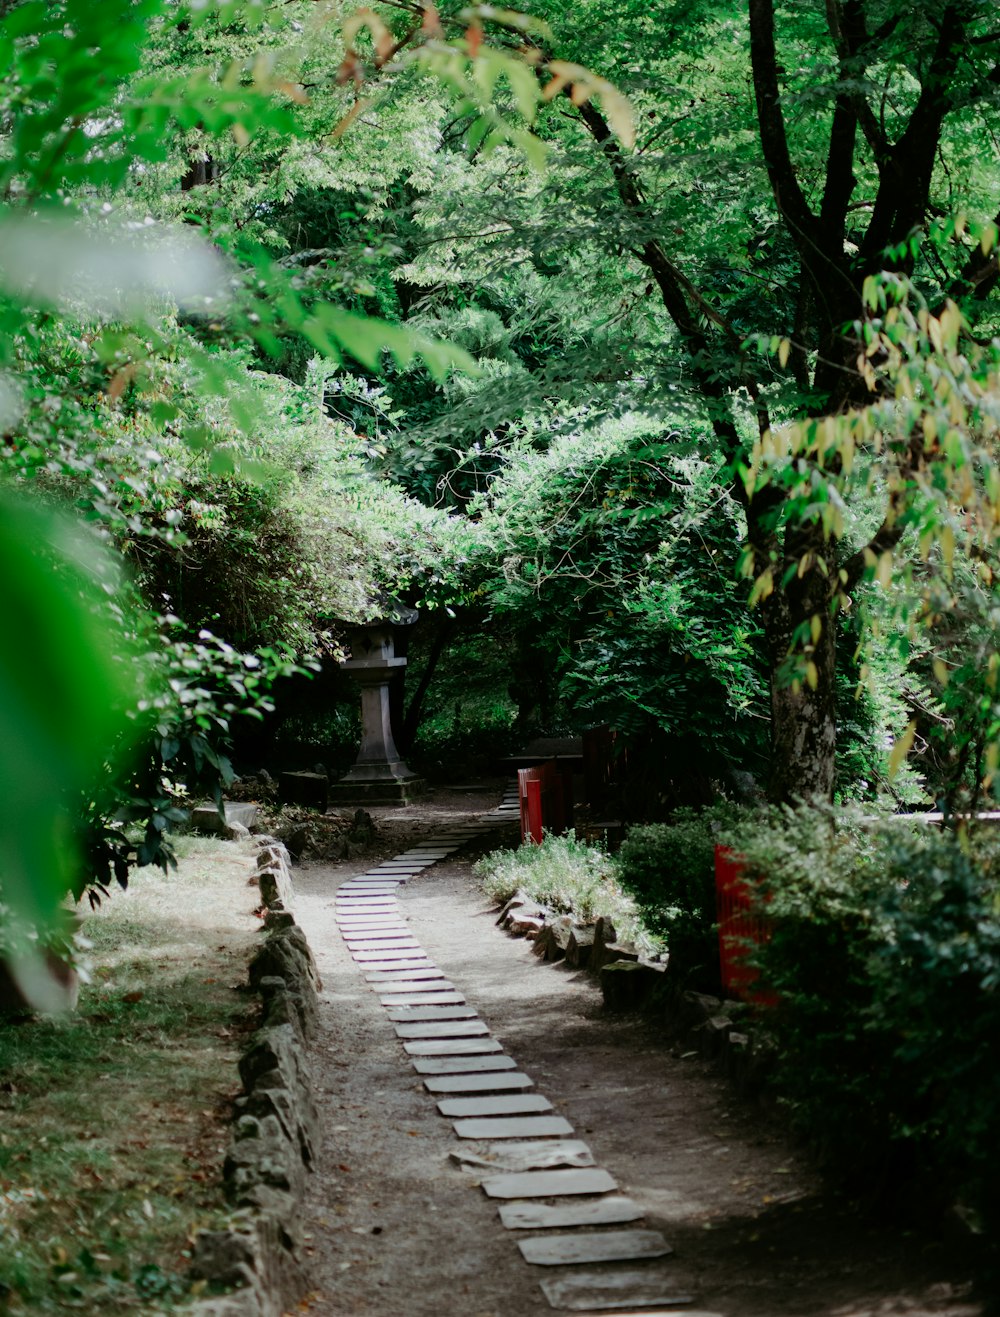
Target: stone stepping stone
416, 986
380, 918
377, 934
443, 998
516, 1104
352, 925
612, 1210
367, 904
462, 1065
381, 888
381, 912
408, 1013
422, 963
498, 1081
381, 937
452, 1047
601, 1291
595, 1246
382, 944
395, 974
513, 1127
542, 1156
442, 1029
381, 933
389, 954
365, 882
367, 911
384, 932
549, 1184
375, 931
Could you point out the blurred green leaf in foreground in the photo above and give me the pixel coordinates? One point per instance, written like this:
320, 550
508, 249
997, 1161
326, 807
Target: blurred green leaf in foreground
65, 682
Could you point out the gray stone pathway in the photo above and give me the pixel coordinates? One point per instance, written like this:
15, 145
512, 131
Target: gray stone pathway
547, 1178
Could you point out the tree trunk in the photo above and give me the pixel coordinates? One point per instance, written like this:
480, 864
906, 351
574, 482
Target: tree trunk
803, 738
803, 690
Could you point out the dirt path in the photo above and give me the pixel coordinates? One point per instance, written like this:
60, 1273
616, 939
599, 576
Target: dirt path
397, 1229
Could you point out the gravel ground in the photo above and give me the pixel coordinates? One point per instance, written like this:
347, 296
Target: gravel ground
396, 1229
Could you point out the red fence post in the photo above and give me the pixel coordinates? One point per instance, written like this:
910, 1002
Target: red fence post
740, 929
522, 798
535, 814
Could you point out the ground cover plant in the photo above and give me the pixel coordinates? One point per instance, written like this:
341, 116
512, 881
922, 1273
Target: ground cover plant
570, 877
114, 1117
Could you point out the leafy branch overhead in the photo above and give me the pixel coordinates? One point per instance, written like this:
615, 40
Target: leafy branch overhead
475, 68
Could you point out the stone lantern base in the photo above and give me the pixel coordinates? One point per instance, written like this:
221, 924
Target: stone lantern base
396, 792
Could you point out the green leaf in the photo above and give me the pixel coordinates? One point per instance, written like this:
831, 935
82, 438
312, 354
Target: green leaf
65, 679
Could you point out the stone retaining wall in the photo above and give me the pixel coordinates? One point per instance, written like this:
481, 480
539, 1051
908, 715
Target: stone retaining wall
252, 1267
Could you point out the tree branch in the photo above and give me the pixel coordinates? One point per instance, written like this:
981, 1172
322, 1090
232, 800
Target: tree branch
788, 194
979, 275
904, 187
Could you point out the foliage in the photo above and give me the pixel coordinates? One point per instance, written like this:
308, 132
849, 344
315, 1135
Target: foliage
668, 281
566, 875
606, 546
114, 1116
884, 953
468, 722
669, 871
116, 338
937, 427
55, 715
174, 753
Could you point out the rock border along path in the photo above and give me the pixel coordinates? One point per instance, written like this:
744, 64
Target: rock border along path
548, 1178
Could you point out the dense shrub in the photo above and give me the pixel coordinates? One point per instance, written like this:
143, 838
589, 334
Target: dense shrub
885, 955
668, 868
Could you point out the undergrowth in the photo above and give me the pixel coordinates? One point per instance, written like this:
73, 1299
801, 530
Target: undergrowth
567, 876
113, 1116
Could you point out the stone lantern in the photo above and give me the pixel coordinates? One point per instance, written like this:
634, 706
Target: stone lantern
379, 776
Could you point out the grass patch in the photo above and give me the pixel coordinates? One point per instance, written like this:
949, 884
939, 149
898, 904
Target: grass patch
568, 876
113, 1118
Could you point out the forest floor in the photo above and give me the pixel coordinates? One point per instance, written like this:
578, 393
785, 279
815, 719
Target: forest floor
396, 1228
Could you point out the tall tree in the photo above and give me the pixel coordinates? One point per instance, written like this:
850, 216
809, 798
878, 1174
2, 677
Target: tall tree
787, 156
